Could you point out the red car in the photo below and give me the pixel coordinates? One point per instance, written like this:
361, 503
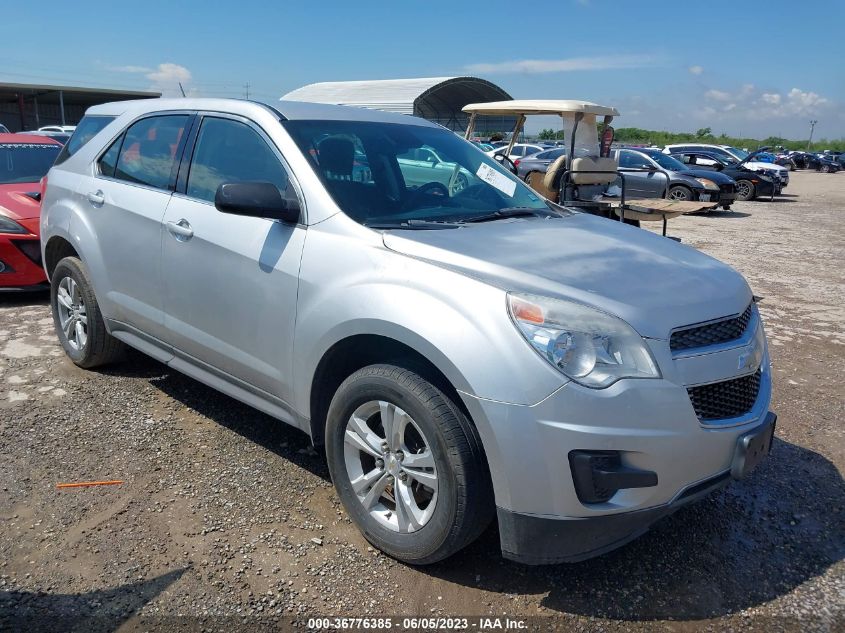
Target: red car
24, 161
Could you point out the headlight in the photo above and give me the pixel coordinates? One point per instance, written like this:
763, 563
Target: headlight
591, 347
7, 225
708, 184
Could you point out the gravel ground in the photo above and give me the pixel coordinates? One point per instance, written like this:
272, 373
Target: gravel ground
226, 514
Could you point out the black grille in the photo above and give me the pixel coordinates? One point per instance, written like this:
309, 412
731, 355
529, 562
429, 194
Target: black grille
728, 399
711, 333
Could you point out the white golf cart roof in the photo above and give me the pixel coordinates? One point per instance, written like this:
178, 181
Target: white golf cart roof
539, 106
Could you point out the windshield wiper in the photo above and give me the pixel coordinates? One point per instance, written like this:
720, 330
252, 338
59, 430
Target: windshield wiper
413, 224
509, 212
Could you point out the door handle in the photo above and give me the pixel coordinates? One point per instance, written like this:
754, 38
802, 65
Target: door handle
96, 197
181, 230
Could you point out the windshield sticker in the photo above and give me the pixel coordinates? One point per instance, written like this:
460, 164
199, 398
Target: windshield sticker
497, 180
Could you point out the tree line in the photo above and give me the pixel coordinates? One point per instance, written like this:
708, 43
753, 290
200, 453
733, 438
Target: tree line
639, 136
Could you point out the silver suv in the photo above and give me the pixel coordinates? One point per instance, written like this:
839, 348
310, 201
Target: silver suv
460, 347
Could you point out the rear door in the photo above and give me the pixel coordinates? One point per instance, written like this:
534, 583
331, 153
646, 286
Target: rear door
127, 197
230, 282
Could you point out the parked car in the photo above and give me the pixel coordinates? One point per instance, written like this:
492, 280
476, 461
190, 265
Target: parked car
537, 162
749, 184
519, 150
423, 165
828, 164
61, 137
60, 129
459, 355
737, 154
484, 147
24, 161
684, 183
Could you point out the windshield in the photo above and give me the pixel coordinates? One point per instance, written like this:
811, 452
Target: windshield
26, 162
389, 173
739, 153
666, 161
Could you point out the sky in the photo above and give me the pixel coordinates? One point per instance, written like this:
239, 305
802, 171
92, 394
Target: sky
753, 69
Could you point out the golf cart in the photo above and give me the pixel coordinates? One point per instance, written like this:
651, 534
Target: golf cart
586, 176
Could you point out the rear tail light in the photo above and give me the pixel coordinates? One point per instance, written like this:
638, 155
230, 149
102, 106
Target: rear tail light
43, 186
516, 163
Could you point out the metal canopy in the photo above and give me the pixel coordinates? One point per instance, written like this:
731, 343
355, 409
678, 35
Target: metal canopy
27, 106
438, 99
539, 106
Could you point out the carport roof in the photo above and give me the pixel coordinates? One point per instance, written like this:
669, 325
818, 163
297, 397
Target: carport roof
71, 95
430, 97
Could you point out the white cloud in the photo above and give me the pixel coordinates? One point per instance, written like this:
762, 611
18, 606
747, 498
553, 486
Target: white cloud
696, 70
167, 77
537, 66
169, 73
130, 69
729, 107
718, 95
771, 97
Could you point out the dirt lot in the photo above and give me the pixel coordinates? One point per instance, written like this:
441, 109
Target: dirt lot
226, 514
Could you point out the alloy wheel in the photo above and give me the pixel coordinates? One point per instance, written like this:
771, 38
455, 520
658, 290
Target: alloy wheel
390, 466
73, 315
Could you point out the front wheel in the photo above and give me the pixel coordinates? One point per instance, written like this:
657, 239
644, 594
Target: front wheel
744, 190
76, 316
679, 192
407, 465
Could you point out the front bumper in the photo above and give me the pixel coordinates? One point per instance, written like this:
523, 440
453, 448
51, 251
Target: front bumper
650, 425
535, 540
20, 265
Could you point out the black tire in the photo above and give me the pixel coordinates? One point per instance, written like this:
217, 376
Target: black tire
100, 348
826, 169
726, 207
464, 504
679, 192
745, 190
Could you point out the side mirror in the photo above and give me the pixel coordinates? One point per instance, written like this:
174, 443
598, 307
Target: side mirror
718, 166
255, 199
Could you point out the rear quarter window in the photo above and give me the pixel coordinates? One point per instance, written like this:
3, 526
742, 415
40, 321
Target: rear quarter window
88, 127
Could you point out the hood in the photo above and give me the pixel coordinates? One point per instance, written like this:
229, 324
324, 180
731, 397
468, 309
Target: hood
716, 176
757, 165
653, 283
15, 204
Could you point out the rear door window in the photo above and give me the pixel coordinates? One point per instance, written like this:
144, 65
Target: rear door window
148, 152
88, 127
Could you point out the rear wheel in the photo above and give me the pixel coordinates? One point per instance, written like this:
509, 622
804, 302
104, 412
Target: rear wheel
679, 192
744, 190
407, 464
76, 316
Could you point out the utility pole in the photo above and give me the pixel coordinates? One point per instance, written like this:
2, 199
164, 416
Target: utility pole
246, 90
812, 127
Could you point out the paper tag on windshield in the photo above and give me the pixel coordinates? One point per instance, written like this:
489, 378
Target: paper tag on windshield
495, 179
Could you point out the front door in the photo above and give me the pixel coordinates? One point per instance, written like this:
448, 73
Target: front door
230, 282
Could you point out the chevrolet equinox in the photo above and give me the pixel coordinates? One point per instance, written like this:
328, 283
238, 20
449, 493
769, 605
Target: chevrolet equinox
458, 346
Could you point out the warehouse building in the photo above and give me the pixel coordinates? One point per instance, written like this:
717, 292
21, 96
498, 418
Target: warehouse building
437, 99
31, 106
